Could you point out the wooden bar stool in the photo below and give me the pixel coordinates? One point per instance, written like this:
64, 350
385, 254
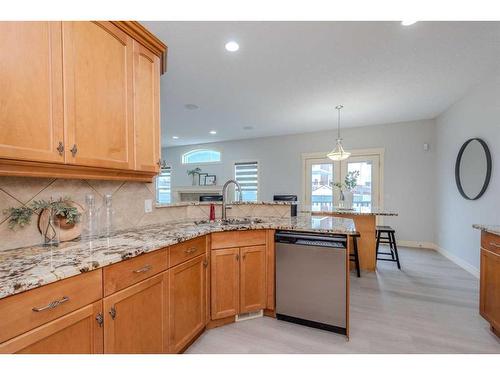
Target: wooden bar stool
354, 257
385, 234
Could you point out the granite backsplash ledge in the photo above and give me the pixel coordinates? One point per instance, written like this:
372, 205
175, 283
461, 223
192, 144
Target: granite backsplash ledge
128, 203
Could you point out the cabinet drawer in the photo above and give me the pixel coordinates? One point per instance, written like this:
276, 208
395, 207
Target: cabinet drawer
187, 250
490, 242
238, 238
51, 301
121, 275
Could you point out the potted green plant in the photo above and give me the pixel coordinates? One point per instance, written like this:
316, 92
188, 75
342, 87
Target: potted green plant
346, 188
61, 212
194, 174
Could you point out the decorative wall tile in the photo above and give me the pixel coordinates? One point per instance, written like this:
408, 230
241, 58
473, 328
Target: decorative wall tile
128, 203
105, 187
6, 201
19, 237
24, 188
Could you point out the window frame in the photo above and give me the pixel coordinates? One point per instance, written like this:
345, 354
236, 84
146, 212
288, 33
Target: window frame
371, 152
202, 162
157, 188
258, 176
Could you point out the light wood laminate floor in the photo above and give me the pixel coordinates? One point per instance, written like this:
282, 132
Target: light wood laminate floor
430, 306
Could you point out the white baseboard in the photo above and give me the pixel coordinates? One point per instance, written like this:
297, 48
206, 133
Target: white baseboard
432, 246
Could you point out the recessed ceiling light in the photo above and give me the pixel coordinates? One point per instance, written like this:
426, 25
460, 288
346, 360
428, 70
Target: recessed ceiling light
232, 46
175, 137
247, 127
191, 106
213, 132
408, 22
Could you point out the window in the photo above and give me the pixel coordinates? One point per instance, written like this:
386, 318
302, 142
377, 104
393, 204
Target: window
321, 174
201, 156
247, 175
163, 186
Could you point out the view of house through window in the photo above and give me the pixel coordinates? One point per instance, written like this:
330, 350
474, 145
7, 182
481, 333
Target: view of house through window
247, 175
163, 186
322, 175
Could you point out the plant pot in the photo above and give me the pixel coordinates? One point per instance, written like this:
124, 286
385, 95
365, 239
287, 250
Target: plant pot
63, 223
348, 197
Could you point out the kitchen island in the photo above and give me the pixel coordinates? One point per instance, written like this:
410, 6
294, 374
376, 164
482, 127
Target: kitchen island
365, 222
185, 276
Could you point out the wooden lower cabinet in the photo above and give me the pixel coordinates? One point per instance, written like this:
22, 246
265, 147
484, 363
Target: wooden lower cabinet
136, 318
75, 333
238, 278
187, 301
225, 282
490, 288
252, 278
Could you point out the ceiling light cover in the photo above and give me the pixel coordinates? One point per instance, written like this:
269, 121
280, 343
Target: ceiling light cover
213, 132
232, 46
338, 153
408, 22
175, 137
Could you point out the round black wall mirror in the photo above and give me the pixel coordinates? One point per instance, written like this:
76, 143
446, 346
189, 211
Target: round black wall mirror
473, 168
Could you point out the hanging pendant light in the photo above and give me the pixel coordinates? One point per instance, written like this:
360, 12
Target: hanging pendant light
338, 153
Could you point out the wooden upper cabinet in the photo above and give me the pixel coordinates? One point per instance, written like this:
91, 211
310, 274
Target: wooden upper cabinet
31, 113
188, 301
253, 278
146, 109
75, 333
136, 318
98, 90
225, 284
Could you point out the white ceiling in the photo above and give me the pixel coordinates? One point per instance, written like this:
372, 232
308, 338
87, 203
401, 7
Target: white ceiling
287, 77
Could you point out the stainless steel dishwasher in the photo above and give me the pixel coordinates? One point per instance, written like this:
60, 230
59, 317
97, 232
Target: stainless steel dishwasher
311, 279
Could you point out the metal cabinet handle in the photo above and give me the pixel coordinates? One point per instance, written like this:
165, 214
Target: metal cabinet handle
190, 250
51, 305
112, 312
494, 244
146, 268
60, 148
74, 150
100, 319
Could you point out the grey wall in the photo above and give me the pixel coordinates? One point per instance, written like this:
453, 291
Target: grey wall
475, 115
409, 170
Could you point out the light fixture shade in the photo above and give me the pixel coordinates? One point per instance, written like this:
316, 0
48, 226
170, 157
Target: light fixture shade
338, 153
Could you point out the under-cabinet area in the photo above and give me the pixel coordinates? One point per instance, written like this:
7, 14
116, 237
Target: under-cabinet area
158, 302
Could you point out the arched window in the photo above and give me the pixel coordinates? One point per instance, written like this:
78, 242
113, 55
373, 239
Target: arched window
201, 156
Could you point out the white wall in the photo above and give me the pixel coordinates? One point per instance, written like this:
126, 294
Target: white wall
409, 170
475, 115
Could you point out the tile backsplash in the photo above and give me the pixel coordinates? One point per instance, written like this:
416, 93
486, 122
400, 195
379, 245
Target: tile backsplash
128, 203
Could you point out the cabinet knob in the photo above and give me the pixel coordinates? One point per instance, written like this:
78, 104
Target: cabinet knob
112, 312
74, 150
60, 148
100, 319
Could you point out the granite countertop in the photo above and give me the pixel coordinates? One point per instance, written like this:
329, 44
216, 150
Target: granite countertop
372, 212
30, 267
195, 203
493, 229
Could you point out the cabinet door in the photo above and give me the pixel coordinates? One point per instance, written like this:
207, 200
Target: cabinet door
98, 95
225, 283
490, 287
75, 333
136, 318
31, 113
187, 302
252, 278
146, 109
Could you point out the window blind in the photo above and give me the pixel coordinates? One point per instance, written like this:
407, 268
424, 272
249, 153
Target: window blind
247, 175
163, 186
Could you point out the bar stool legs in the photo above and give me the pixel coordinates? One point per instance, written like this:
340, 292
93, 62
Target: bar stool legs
389, 239
355, 256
